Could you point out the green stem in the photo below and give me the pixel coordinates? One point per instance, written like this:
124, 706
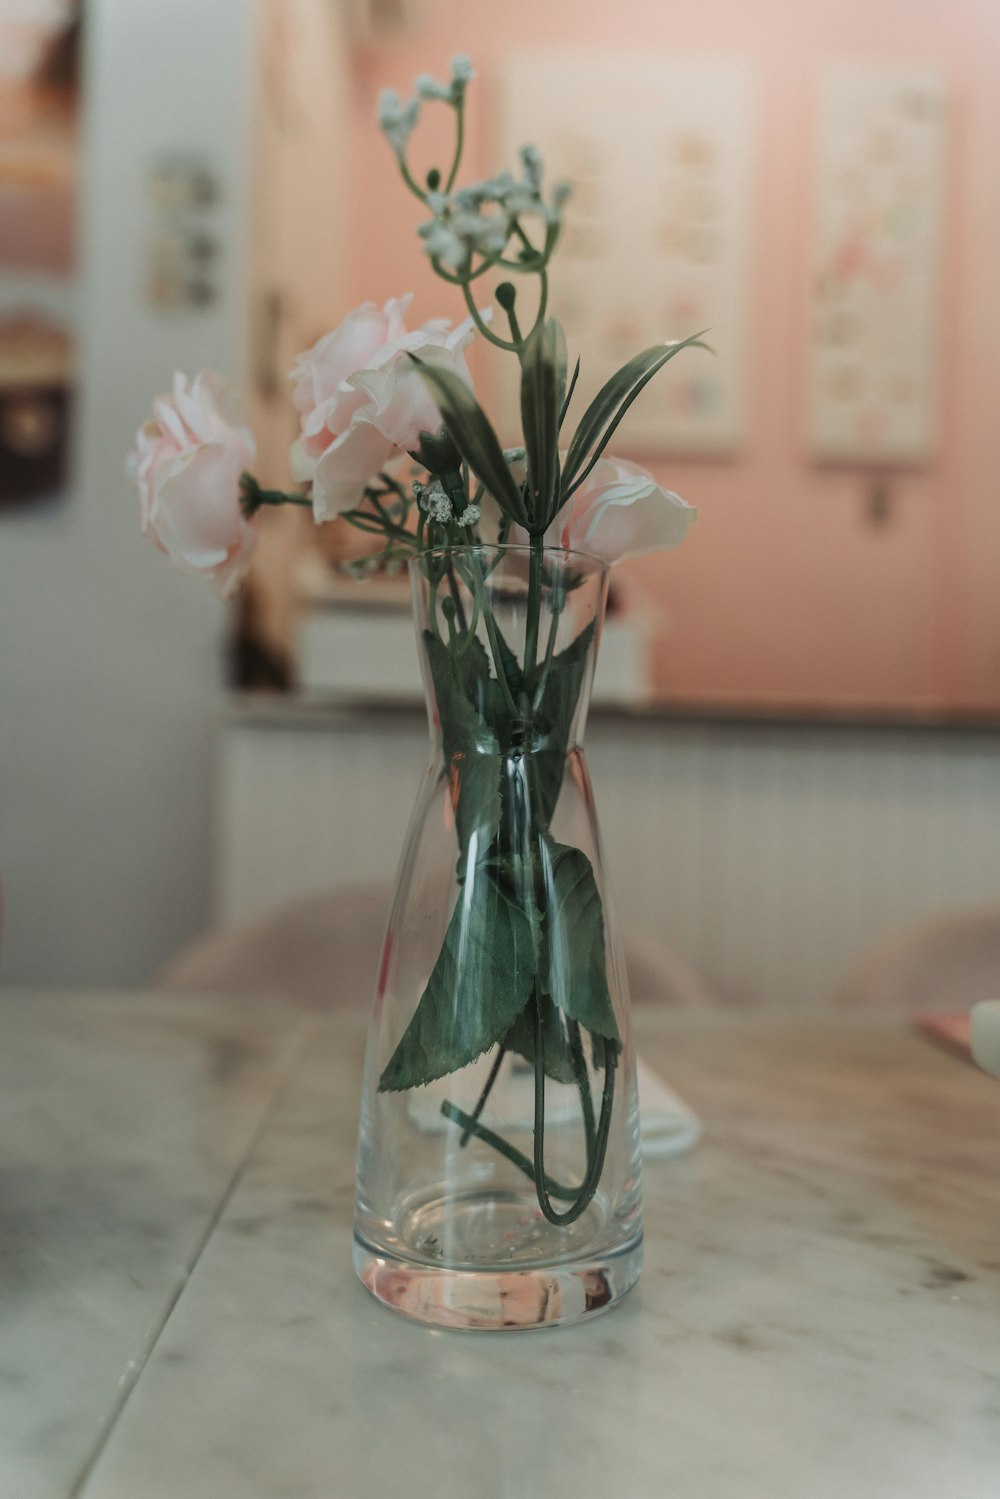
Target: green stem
510, 1152
278, 497
579, 1062
457, 599
534, 611
491, 337
526, 242
415, 188
543, 299
470, 630
515, 328
484, 1095
596, 1150
459, 139
550, 644
479, 593
378, 524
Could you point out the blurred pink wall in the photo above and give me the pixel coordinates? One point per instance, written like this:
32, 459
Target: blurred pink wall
785, 593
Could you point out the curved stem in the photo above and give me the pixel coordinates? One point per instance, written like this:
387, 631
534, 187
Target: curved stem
456, 599
508, 1151
484, 1095
543, 300
491, 337
278, 497
415, 188
579, 1062
595, 1155
459, 137
479, 593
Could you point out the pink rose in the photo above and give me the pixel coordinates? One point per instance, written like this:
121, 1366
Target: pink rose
362, 399
620, 511
187, 464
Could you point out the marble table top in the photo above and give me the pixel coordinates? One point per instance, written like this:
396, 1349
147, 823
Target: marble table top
819, 1315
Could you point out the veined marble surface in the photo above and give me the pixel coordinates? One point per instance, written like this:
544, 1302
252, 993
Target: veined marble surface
124, 1122
819, 1316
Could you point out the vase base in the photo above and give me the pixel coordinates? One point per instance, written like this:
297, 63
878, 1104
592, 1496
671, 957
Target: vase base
495, 1299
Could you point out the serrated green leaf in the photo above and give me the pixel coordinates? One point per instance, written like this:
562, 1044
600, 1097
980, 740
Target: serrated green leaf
510, 664
543, 384
480, 984
521, 1039
471, 748
469, 428
606, 410
574, 960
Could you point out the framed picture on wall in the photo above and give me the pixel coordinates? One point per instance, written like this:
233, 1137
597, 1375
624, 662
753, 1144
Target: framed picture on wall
872, 329
39, 64
660, 154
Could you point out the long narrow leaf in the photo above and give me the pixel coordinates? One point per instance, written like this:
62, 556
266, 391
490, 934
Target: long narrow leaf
569, 394
470, 430
543, 381
609, 406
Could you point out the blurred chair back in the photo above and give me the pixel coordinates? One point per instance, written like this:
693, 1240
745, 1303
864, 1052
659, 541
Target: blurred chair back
325, 950
950, 961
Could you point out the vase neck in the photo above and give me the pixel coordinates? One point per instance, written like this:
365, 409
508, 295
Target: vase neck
508, 640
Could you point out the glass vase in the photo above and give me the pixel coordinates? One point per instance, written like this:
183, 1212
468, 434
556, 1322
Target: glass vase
498, 1155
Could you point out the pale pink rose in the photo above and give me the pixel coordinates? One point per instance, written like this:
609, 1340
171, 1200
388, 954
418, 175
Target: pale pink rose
362, 399
620, 511
187, 463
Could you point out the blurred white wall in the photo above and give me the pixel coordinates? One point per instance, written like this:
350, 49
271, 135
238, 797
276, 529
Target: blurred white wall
110, 678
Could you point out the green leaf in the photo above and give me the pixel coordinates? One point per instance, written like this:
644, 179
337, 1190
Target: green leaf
558, 704
470, 430
480, 984
521, 1039
574, 960
606, 410
510, 664
569, 394
471, 748
543, 383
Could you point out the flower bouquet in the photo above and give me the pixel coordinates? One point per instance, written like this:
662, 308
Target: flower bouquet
498, 1171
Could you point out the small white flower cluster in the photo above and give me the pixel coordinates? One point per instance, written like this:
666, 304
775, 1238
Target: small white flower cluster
434, 502
397, 120
453, 92
479, 219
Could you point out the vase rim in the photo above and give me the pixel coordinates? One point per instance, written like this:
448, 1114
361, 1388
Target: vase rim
598, 564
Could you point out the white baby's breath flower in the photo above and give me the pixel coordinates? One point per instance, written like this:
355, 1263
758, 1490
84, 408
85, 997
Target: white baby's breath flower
432, 499
397, 120
452, 92
485, 232
462, 71
531, 161
442, 243
429, 89
470, 515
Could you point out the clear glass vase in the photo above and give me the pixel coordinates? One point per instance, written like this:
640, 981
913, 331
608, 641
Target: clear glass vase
498, 1154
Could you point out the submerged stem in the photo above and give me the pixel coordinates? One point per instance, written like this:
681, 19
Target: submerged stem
484, 1095
596, 1149
509, 1152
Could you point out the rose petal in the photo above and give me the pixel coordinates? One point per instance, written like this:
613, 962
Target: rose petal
345, 468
